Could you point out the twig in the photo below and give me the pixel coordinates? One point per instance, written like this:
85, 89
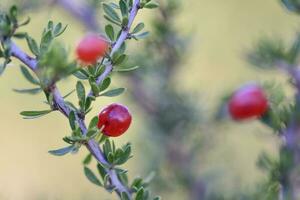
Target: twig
123, 36
59, 102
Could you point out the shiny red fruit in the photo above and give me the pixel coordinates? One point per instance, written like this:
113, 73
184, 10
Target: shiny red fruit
247, 102
114, 120
91, 48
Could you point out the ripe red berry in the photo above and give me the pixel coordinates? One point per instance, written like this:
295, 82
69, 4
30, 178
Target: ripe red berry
114, 120
248, 102
91, 48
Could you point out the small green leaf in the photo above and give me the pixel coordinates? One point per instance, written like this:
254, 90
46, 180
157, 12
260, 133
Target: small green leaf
62, 151
151, 5
101, 170
13, 12
120, 59
80, 93
72, 119
124, 196
109, 30
58, 30
126, 69
93, 122
80, 75
123, 7
91, 176
92, 133
87, 160
2, 68
28, 91
138, 28
157, 198
111, 12
28, 76
112, 21
20, 35
141, 35
34, 114
113, 93
140, 194
45, 42
32, 45
105, 84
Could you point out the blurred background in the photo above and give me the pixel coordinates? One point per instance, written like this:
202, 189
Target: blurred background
197, 55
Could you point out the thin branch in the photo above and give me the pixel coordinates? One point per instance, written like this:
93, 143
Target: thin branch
60, 104
123, 36
26, 59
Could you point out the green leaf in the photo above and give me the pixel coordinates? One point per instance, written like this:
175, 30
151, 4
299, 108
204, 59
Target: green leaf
72, 119
80, 75
101, 170
105, 84
92, 133
141, 35
140, 194
93, 122
120, 59
32, 45
157, 198
109, 30
45, 42
50, 25
28, 76
91, 176
58, 30
20, 35
112, 21
123, 7
13, 12
125, 21
87, 160
111, 12
34, 114
24, 22
124, 196
28, 91
94, 88
113, 93
2, 68
126, 69
80, 93
138, 28
62, 151
151, 5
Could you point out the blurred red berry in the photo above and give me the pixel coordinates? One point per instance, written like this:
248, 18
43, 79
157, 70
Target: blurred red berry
91, 48
114, 120
247, 102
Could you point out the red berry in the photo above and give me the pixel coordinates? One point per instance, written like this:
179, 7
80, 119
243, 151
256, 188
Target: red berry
114, 120
247, 102
91, 48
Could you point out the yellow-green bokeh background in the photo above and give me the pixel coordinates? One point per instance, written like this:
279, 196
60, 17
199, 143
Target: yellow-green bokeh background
221, 32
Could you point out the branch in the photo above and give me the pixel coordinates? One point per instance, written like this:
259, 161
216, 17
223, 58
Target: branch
60, 104
123, 36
